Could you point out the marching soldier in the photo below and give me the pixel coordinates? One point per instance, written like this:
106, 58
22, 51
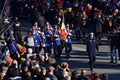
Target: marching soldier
48, 41
57, 43
68, 43
37, 42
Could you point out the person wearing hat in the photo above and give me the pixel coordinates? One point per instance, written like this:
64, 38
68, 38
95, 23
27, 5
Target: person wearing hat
37, 42
68, 43
48, 41
57, 43
35, 28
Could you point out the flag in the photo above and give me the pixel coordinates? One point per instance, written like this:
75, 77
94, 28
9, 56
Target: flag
21, 48
63, 31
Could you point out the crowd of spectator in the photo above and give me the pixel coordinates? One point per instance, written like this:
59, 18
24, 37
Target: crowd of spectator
79, 15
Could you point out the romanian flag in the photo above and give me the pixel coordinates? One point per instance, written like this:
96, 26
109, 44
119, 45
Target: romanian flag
21, 48
63, 31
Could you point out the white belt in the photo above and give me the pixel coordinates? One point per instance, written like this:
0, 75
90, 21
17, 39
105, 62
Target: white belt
57, 38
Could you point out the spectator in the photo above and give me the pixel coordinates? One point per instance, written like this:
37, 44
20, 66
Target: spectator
3, 72
17, 30
75, 75
96, 76
83, 75
47, 78
13, 71
43, 74
28, 76
77, 25
66, 73
3, 51
105, 76
98, 22
51, 73
114, 46
29, 40
83, 23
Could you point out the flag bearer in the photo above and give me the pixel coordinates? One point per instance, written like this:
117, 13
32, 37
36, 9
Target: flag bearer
68, 43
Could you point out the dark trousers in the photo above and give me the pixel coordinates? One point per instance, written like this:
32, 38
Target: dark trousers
57, 51
84, 29
92, 59
68, 49
37, 50
78, 34
48, 50
98, 35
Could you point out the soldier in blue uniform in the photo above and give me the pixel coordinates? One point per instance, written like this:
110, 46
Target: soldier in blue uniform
42, 34
57, 43
37, 42
48, 41
68, 43
92, 47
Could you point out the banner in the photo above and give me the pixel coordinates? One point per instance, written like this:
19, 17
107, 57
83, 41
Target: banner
63, 31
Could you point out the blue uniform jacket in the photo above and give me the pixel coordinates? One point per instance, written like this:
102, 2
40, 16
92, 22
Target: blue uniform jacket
12, 48
37, 39
57, 40
48, 39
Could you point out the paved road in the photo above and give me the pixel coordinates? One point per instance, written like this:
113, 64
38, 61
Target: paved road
79, 60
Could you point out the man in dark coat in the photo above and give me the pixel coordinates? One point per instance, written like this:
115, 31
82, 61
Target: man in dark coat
77, 25
114, 47
91, 49
98, 22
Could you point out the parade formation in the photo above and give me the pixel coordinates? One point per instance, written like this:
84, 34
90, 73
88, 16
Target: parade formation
54, 25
